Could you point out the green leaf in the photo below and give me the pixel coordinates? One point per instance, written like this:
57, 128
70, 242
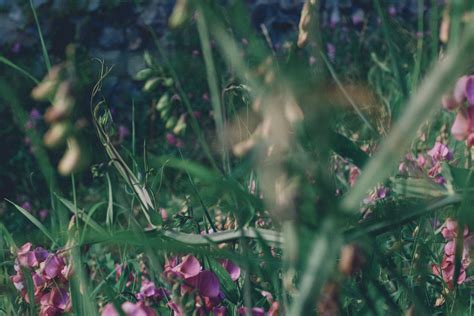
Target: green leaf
462, 177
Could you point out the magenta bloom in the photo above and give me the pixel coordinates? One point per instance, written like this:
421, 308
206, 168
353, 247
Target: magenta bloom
138, 309
150, 291
469, 90
55, 302
206, 283
463, 124
440, 152
31, 258
233, 269
219, 311
188, 268
447, 267
53, 266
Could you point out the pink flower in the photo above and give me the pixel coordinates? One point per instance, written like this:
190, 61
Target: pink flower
31, 258
171, 139
274, 309
459, 93
188, 268
52, 267
233, 269
206, 283
219, 311
440, 152
449, 103
354, 174
463, 124
138, 309
109, 310
149, 290
55, 302
450, 229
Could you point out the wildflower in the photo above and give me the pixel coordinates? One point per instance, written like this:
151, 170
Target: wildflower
31, 258
171, 139
138, 309
54, 302
52, 267
232, 269
206, 283
447, 267
130, 309
149, 290
188, 268
440, 152
463, 125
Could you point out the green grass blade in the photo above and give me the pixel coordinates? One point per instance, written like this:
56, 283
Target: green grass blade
40, 34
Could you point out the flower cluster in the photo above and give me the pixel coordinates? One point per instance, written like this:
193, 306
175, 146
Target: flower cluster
50, 275
447, 267
432, 163
463, 126
189, 279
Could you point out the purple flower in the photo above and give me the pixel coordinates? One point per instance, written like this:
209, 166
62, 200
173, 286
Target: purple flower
188, 268
206, 283
149, 290
35, 115
469, 90
138, 309
219, 311
233, 269
55, 302
171, 139
440, 152
52, 267
358, 17
31, 258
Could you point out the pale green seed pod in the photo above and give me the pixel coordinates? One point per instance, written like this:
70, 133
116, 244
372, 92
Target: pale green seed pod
180, 125
181, 13
150, 84
148, 59
171, 122
144, 74
168, 82
163, 102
